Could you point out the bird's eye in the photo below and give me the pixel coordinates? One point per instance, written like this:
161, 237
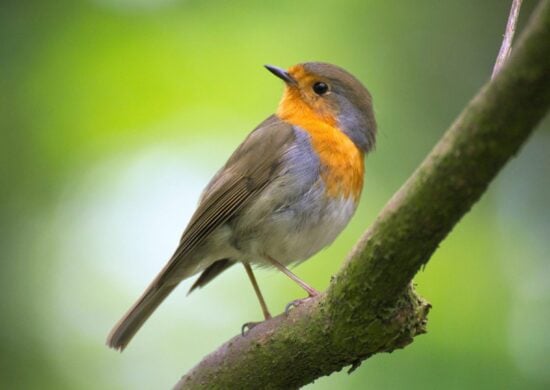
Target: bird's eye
320, 88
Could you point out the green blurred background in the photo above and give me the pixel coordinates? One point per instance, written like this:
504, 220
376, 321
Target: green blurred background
115, 113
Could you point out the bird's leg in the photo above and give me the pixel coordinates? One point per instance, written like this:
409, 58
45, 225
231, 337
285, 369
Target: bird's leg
252, 278
249, 325
310, 290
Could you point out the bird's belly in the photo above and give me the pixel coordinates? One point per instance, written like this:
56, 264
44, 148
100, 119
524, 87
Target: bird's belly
297, 232
303, 209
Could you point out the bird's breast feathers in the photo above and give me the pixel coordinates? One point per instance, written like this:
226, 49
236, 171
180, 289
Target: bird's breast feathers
310, 202
341, 161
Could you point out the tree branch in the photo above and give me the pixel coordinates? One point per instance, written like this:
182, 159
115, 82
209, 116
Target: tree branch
370, 306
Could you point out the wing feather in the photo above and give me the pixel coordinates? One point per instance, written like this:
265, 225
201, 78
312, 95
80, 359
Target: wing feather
248, 171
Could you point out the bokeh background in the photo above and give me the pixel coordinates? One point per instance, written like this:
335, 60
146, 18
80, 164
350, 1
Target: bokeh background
115, 113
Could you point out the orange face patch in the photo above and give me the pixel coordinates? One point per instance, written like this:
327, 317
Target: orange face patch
302, 98
342, 161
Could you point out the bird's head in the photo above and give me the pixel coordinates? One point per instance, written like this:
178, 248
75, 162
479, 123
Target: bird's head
330, 94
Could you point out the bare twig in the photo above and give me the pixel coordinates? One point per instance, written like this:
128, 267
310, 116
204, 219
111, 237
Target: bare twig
506, 46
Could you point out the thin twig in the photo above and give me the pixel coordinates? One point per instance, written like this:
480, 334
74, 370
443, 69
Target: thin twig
506, 46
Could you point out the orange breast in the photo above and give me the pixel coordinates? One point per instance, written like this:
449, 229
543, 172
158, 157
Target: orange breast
342, 161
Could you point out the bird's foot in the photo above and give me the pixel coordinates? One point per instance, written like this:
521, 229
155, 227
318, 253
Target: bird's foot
247, 327
297, 302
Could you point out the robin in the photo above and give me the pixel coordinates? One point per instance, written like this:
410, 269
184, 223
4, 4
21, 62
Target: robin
287, 191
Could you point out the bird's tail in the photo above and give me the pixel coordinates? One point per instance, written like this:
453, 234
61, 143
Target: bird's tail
128, 325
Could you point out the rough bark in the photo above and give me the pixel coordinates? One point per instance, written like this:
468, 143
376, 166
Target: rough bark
370, 306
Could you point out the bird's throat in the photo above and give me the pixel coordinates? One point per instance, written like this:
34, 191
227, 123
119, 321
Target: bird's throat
342, 161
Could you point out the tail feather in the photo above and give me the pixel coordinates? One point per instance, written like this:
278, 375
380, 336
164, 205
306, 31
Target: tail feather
210, 273
132, 321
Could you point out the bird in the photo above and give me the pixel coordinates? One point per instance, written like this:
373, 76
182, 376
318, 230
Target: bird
286, 192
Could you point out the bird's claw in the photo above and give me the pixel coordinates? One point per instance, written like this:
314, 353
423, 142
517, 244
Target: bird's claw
247, 327
295, 303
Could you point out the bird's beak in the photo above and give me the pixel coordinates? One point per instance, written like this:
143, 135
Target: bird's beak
282, 74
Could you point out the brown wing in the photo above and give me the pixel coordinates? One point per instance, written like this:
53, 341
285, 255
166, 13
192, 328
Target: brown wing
249, 169
245, 174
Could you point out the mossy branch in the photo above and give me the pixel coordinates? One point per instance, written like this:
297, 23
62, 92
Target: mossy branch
370, 306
